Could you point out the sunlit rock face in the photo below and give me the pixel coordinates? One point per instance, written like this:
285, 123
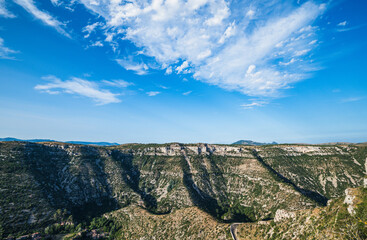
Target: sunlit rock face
281, 215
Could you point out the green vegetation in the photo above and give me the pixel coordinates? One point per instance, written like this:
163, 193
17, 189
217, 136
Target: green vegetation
56, 188
361, 215
331, 222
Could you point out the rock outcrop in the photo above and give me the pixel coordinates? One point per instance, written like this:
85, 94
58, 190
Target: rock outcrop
281, 215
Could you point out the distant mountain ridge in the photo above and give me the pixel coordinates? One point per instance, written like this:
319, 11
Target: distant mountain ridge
252, 143
9, 139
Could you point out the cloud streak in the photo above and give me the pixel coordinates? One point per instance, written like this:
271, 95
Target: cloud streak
4, 12
187, 93
46, 18
78, 86
153, 93
342, 24
138, 68
254, 104
5, 52
346, 29
117, 83
351, 99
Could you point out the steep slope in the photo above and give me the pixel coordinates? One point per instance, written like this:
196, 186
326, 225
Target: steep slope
327, 170
336, 221
188, 223
230, 183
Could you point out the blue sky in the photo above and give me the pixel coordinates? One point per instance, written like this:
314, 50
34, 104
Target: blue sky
184, 70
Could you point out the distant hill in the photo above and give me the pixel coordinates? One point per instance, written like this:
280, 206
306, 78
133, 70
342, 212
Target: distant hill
94, 143
9, 139
252, 143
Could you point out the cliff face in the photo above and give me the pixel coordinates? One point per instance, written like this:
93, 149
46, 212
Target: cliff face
230, 183
328, 170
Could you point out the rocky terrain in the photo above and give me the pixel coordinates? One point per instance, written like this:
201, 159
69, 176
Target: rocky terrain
47, 186
343, 218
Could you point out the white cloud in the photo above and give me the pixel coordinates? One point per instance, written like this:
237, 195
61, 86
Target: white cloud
351, 99
287, 63
90, 28
169, 70
187, 93
323, 6
169, 30
78, 86
117, 83
346, 29
250, 14
153, 93
219, 14
46, 18
301, 52
230, 31
5, 53
4, 12
97, 44
343, 24
204, 54
183, 66
217, 42
228, 68
69, 5
138, 68
56, 2
254, 103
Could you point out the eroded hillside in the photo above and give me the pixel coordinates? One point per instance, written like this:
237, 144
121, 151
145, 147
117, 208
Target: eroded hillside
230, 183
328, 170
343, 218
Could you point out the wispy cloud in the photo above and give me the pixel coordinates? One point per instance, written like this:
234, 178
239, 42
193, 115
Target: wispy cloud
89, 29
56, 2
45, 17
78, 86
182, 67
346, 29
117, 83
4, 12
216, 43
138, 68
69, 5
254, 103
342, 24
169, 70
96, 44
153, 93
6, 53
187, 93
351, 99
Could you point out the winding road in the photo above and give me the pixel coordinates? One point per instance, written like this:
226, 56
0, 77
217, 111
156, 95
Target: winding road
233, 230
